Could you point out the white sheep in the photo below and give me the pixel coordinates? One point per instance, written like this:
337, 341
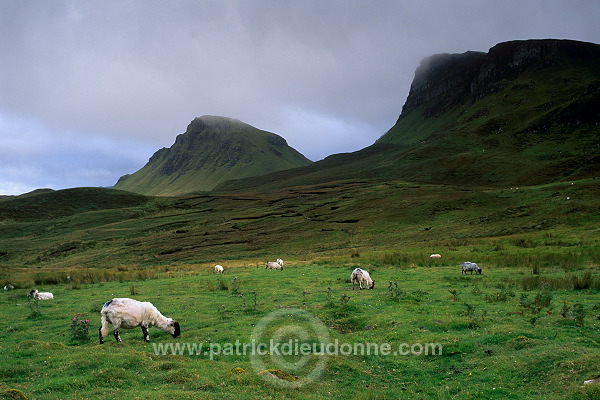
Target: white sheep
218, 269
596, 380
41, 295
469, 266
9, 287
361, 277
128, 313
280, 261
273, 265
435, 256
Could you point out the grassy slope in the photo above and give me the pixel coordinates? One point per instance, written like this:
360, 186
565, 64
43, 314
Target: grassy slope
298, 222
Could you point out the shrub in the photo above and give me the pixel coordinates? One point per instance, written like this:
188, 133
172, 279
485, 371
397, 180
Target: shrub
583, 282
394, 291
34, 307
80, 330
505, 293
575, 313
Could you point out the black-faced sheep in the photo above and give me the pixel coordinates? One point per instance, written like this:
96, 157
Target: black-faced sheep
273, 265
219, 269
41, 295
469, 266
129, 314
360, 277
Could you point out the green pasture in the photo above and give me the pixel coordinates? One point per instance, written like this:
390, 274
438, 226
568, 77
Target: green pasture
527, 328
506, 334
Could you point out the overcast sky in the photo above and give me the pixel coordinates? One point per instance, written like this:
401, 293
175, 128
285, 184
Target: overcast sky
89, 90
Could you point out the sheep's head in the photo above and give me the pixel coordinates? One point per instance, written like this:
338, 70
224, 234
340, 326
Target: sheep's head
372, 285
176, 330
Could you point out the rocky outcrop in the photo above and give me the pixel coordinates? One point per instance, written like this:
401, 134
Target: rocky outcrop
443, 80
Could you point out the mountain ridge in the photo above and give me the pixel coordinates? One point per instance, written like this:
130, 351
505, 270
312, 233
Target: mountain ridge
524, 113
211, 150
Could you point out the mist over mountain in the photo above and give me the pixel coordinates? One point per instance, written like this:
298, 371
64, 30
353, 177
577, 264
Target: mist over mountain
212, 150
524, 113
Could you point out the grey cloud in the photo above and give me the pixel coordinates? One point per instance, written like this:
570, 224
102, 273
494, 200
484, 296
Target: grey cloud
329, 76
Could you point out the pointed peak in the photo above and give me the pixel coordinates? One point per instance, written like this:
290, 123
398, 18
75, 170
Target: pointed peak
213, 121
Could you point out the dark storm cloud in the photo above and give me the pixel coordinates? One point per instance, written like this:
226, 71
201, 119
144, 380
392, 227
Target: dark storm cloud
89, 90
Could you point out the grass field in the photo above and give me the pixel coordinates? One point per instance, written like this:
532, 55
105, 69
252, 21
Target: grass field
527, 328
499, 340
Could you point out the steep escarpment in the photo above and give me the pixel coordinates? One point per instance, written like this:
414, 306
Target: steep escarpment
526, 112
211, 151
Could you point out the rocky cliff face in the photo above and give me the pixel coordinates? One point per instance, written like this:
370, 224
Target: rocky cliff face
443, 80
526, 112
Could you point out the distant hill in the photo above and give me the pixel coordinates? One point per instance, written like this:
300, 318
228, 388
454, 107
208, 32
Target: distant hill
211, 151
524, 113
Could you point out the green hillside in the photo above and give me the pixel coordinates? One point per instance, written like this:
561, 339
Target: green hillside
211, 151
82, 230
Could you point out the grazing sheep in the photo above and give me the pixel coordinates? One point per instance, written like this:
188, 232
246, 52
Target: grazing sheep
9, 287
129, 314
469, 266
42, 295
596, 380
219, 269
273, 265
361, 277
434, 256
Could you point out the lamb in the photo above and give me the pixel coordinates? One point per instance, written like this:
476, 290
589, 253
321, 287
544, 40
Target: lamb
280, 261
469, 266
361, 277
218, 269
434, 256
41, 295
274, 265
128, 313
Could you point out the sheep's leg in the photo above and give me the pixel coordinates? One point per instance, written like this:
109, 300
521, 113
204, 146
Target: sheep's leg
117, 336
145, 332
100, 335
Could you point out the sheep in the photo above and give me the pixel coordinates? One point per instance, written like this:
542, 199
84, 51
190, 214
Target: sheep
434, 256
596, 380
218, 269
273, 265
42, 295
469, 266
280, 261
361, 277
128, 313
9, 287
